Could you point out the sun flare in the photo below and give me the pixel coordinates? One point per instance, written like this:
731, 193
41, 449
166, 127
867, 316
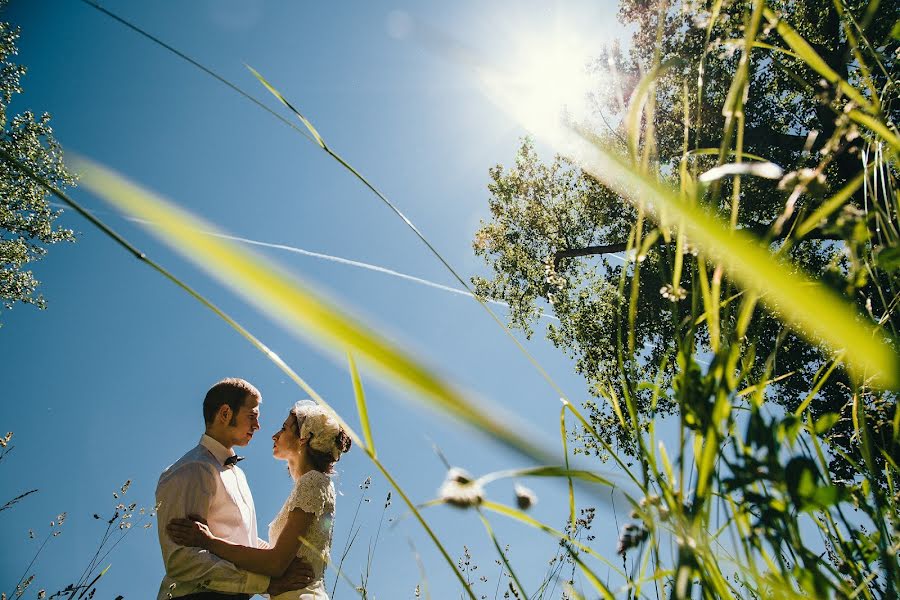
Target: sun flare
547, 82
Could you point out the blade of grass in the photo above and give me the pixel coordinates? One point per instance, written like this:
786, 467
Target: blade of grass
590, 429
812, 59
194, 63
820, 381
277, 94
418, 515
305, 312
814, 310
595, 581
518, 515
861, 118
540, 369
361, 407
565, 443
639, 98
421, 566
272, 356
764, 46
509, 569
830, 205
546, 471
320, 142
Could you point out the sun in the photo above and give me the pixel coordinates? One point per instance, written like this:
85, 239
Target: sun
546, 82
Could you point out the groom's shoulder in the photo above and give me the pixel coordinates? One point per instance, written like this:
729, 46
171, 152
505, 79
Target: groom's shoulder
196, 463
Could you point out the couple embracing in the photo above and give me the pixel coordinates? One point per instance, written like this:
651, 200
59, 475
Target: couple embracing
206, 516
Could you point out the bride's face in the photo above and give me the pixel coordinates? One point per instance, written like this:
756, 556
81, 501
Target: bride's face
285, 441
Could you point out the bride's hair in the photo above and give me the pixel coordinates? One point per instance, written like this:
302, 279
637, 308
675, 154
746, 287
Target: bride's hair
327, 440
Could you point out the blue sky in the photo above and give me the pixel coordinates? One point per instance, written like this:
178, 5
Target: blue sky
106, 384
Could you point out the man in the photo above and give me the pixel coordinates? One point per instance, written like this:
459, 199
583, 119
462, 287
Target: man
206, 482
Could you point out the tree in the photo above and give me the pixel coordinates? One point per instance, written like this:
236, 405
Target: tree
558, 235
26, 216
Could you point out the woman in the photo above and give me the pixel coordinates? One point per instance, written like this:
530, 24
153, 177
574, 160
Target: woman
311, 440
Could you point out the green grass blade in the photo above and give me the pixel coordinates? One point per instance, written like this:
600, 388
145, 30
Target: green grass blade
547, 471
534, 363
319, 141
303, 311
808, 306
639, 98
194, 63
520, 516
565, 443
735, 99
820, 381
509, 569
877, 126
92, 583
764, 46
361, 407
590, 575
808, 55
272, 356
284, 101
140, 255
418, 515
591, 430
830, 205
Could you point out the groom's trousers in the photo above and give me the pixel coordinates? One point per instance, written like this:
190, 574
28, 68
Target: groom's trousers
214, 596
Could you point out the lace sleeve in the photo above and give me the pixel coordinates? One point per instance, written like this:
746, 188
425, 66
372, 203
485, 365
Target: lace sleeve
311, 493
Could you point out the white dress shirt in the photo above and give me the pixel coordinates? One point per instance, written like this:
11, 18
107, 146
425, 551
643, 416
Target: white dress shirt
200, 484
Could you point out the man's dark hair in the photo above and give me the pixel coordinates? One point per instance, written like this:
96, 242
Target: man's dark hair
231, 391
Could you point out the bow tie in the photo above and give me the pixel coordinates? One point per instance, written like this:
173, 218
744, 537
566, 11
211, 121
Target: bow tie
233, 460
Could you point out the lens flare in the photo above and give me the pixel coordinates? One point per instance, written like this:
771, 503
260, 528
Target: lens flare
546, 85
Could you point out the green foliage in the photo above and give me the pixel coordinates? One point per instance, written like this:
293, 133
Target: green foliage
559, 234
26, 216
779, 438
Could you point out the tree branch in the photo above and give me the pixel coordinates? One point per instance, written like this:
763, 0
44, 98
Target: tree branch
757, 229
559, 255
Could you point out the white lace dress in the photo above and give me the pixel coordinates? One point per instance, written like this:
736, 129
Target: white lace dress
312, 493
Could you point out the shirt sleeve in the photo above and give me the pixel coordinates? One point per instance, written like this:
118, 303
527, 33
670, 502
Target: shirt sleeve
311, 492
188, 491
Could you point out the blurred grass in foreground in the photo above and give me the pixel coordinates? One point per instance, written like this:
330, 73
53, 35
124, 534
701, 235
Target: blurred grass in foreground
745, 503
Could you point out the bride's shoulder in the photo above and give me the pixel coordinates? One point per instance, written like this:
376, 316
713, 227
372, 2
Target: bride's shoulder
313, 492
314, 477
314, 480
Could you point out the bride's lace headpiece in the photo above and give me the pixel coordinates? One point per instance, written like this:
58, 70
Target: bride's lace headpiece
320, 426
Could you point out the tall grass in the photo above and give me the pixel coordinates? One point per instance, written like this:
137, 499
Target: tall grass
744, 505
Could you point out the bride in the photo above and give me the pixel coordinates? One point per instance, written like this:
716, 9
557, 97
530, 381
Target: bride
311, 440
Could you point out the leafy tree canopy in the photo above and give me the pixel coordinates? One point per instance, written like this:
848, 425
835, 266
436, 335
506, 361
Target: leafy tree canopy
557, 237
26, 216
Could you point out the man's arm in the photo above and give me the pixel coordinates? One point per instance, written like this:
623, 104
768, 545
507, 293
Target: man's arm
189, 491
272, 561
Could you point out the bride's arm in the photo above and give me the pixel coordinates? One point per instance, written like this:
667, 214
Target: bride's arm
271, 561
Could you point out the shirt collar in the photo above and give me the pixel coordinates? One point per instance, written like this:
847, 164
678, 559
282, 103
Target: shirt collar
215, 448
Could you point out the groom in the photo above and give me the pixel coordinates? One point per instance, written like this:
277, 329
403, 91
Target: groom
208, 483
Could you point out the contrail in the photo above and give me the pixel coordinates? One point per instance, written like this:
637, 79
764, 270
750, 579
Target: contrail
329, 257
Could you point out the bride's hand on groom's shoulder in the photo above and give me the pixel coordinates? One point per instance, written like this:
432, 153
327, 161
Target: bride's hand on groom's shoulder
189, 532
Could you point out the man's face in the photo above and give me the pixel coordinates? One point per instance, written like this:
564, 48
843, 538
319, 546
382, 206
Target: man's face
244, 423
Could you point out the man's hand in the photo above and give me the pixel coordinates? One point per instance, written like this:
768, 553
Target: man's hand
298, 575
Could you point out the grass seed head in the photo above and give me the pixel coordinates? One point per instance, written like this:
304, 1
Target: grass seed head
525, 498
461, 490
